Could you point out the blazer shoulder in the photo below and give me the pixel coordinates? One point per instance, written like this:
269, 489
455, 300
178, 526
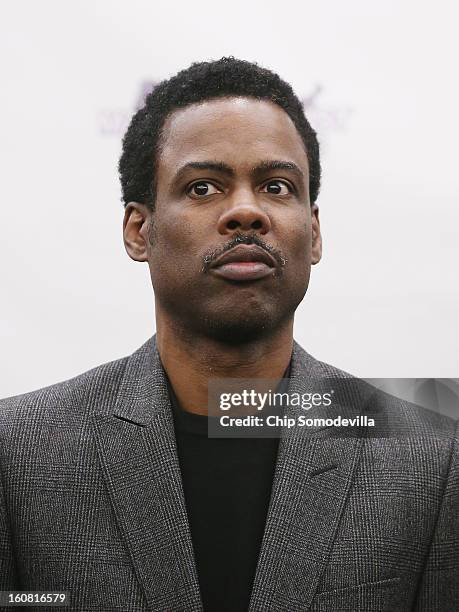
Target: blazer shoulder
91, 387
398, 417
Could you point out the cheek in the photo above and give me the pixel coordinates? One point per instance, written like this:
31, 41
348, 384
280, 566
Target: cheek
302, 240
298, 236
173, 252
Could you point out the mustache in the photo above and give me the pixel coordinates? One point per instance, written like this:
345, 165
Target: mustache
240, 238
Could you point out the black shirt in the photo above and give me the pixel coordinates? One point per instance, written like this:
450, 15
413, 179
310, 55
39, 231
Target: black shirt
227, 486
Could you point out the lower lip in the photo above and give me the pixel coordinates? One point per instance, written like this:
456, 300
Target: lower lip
243, 270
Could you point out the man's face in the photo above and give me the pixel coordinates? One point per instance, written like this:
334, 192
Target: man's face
231, 171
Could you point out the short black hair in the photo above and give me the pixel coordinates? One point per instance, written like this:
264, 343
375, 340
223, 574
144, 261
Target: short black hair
200, 82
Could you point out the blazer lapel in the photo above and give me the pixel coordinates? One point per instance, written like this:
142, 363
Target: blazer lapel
313, 474
137, 451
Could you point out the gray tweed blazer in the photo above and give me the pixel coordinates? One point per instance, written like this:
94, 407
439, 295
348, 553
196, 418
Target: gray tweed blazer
92, 502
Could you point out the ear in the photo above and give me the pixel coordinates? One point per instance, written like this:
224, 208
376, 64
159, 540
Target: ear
316, 235
135, 230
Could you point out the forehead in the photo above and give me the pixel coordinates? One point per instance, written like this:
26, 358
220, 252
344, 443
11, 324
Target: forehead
238, 131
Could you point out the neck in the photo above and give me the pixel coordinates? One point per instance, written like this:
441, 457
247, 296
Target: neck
191, 360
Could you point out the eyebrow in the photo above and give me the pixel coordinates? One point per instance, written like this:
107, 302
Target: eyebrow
216, 166
259, 169
277, 164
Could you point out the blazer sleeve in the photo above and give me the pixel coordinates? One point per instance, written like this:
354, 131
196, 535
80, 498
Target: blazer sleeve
439, 586
8, 578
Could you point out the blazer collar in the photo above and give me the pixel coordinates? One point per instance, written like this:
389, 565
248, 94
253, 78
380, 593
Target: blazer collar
137, 450
143, 393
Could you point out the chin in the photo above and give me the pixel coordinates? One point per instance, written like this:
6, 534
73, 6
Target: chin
237, 332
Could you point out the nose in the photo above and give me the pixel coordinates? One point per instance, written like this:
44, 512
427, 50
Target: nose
244, 215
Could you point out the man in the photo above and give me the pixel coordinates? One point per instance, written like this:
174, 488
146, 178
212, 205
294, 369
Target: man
112, 490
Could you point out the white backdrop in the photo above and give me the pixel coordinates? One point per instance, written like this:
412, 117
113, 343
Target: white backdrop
379, 80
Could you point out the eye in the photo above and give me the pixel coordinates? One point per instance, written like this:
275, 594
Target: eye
201, 189
277, 187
